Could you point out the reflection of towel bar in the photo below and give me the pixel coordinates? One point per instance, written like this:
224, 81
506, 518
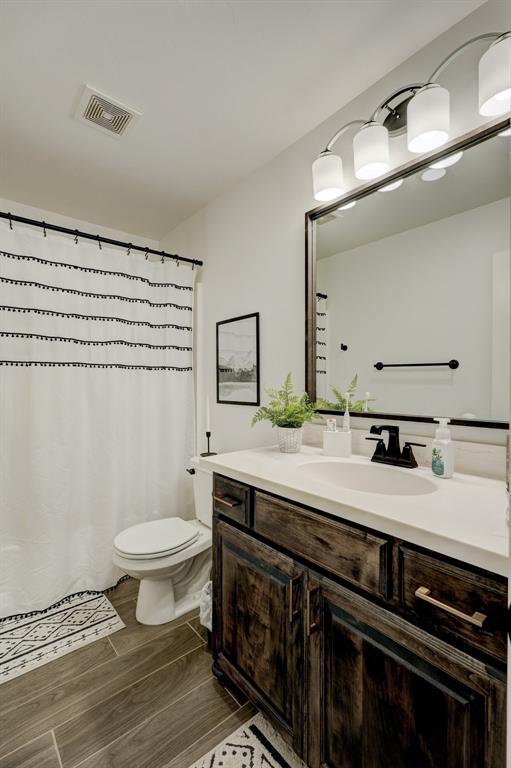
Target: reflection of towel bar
452, 364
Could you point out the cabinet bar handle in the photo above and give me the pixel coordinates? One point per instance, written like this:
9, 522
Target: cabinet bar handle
477, 619
292, 612
227, 501
312, 626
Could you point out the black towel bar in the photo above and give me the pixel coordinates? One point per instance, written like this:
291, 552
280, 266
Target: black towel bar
451, 364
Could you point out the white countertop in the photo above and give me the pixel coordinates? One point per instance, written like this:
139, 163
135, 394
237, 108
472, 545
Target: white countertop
464, 518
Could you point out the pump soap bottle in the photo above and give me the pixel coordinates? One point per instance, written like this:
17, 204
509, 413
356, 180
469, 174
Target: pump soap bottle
442, 459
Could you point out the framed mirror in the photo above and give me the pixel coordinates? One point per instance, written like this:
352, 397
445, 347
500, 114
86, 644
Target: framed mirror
408, 289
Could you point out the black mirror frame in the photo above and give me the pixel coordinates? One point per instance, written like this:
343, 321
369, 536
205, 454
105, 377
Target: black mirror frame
477, 136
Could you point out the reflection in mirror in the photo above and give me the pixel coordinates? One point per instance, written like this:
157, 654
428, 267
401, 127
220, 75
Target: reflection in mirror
414, 276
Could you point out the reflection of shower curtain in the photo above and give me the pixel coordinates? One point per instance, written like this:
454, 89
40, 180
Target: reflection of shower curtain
96, 408
321, 346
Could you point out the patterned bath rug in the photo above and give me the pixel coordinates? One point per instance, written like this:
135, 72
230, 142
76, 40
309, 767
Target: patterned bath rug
255, 745
31, 641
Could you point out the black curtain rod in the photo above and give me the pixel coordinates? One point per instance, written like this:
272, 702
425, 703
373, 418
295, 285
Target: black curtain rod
77, 233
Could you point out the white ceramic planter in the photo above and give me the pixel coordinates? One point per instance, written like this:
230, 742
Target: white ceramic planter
290, 439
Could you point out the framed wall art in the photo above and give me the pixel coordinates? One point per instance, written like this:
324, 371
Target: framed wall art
237, 360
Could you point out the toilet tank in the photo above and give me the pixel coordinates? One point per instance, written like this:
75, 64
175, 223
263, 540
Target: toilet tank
202, 492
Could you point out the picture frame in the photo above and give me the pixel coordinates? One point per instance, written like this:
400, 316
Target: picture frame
237, 360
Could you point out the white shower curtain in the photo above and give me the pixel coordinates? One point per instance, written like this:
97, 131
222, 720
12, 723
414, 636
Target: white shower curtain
96, 408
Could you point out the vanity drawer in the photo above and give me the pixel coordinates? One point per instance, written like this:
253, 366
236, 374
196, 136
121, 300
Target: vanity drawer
350, 553
231, 499
454, 601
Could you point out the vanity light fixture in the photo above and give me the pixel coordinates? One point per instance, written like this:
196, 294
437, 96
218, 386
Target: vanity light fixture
432, 174
391, 187
423, 110
446, 162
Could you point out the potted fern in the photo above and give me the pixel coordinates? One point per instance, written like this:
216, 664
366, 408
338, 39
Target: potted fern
288, 412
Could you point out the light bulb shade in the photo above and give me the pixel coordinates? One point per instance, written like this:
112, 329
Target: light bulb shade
371, 151
327, 178
495, 79
428, 119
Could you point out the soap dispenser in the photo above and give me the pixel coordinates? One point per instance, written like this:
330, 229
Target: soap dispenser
442, 458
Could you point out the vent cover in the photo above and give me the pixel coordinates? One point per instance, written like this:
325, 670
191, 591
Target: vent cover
105, 113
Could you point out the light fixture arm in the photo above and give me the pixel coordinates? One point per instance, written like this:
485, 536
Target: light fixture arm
339, 133
454, 54
385, 103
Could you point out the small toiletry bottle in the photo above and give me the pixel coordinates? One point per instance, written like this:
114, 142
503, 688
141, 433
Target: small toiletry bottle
442, 459
345, 447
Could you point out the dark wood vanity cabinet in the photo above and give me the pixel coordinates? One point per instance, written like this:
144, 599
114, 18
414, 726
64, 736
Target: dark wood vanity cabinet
337, 653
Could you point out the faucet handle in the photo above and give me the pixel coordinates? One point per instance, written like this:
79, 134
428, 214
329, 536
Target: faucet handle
407, 457
380, 450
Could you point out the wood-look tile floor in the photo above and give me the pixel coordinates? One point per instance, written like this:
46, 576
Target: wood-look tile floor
143, 697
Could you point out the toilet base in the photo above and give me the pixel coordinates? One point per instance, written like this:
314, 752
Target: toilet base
170, 585
156, 603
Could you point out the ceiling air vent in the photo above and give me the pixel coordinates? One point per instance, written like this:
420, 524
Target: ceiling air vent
107, 114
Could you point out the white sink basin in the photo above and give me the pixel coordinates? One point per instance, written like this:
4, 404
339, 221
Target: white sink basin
371, 478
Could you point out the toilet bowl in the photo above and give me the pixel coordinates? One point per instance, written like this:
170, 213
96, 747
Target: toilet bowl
171, 557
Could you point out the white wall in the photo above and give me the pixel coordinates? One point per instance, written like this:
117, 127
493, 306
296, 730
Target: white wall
251, 238
425, 294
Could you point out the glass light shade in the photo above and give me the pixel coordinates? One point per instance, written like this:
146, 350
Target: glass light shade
428, 119
371, 151
391, 187
446, 162
432, 174
327, 178
495, 79
507, 132
347, 206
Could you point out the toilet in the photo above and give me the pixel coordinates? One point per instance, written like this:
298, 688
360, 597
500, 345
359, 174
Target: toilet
171, 557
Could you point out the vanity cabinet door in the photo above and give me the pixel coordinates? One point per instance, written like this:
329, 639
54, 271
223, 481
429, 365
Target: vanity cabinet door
258, 627
383, 693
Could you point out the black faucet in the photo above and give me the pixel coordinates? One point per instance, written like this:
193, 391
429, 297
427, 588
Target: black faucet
392, 454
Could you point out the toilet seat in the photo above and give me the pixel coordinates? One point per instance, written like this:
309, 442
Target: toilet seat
156, 538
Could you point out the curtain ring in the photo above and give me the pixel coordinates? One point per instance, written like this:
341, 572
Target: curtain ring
10, 221
76, 237
146, 253
129, 249
162, 259
99, 242
44, 228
